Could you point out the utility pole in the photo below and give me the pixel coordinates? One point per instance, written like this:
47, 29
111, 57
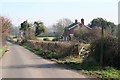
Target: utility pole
102, 36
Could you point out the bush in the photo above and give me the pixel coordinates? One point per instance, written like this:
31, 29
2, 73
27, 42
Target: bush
15, 37
55, 39
86, 35
46, 39
78, 33
111, 53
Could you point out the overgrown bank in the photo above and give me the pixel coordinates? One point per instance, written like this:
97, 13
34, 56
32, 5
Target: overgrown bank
75, 62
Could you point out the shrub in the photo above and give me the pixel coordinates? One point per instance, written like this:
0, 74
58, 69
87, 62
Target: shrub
46, 39
78, 33
55, 39
86, 35
111, 53
15, 37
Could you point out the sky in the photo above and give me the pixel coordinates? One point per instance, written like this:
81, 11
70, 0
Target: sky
50, 11
119, 12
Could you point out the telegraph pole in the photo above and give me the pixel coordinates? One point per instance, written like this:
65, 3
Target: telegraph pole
102, 36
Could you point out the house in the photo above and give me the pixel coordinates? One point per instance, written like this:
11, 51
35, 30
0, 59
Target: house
69, 30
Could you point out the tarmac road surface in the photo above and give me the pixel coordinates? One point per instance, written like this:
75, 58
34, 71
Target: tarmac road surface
19, 62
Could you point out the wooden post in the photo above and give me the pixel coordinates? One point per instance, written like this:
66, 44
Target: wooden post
101, 55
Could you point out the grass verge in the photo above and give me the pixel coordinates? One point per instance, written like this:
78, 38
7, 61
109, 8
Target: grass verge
2, 50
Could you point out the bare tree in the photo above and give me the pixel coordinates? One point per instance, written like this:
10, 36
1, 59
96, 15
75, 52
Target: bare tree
58, 28
4, 28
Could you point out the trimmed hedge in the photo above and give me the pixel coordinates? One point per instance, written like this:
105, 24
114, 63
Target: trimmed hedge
61, 48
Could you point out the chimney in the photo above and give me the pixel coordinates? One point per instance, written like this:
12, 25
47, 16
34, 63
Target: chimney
76, 21
82, 21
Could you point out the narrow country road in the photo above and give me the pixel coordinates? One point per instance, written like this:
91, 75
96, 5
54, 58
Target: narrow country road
19, 62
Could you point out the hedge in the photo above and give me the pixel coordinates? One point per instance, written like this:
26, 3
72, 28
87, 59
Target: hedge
61, 48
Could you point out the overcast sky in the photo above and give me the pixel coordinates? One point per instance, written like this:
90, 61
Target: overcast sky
49, 11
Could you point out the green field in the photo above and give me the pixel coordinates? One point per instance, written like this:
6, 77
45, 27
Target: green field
41, 38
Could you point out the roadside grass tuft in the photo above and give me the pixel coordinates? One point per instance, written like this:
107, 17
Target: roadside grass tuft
2, 50
106, 72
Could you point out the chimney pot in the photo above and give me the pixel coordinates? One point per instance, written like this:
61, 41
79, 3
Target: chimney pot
76, 20
82, 21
